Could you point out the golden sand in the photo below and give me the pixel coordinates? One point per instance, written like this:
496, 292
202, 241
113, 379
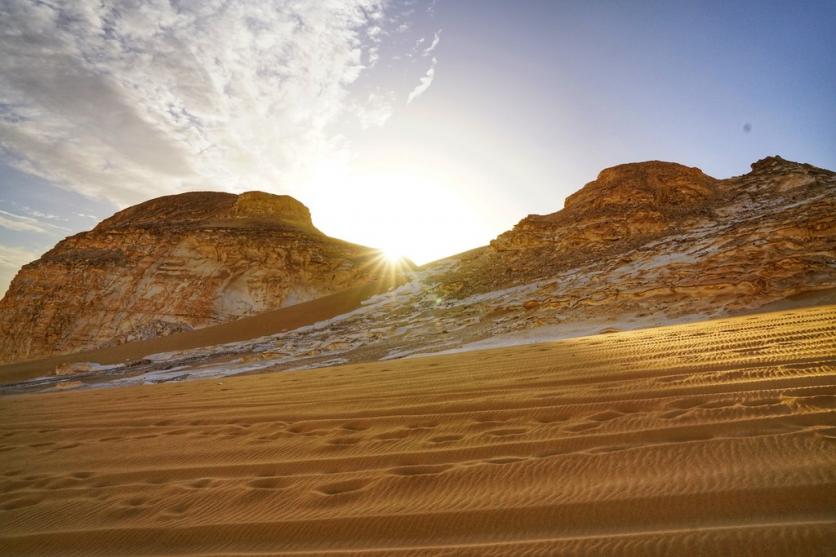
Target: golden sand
714, 438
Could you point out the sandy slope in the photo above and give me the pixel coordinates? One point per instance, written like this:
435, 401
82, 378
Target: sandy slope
266, 323
714, 438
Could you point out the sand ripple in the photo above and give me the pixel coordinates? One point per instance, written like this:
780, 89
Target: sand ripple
715, 438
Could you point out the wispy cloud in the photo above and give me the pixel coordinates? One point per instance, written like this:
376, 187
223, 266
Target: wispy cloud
11, 259
42, 215
126, 100
436, 40
377, 109
18, 225
424, 83
22, 223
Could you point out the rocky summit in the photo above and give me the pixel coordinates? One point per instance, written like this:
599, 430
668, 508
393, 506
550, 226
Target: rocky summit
625, 205
171, 264
662, 229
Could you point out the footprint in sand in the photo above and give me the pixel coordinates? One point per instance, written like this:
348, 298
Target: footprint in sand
355, 426
422, 426
440, 439
38, 445
339, 488
605, 416
578, 428
179, 508
550, 420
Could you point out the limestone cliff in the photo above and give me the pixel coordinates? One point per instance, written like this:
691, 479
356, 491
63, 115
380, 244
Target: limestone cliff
174, 263
661, 236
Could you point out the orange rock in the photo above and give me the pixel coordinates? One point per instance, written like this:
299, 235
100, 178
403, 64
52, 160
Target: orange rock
659, 236
171, 264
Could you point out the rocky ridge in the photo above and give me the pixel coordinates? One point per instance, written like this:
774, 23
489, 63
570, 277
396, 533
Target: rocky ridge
644, 244
175, 263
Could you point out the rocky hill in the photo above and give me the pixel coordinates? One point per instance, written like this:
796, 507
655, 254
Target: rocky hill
766, 233
644, 244
171, 264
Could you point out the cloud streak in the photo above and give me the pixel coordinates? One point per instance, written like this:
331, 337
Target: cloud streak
18, 225
424, 83
21, 223
129, 100
12, 259
434, 44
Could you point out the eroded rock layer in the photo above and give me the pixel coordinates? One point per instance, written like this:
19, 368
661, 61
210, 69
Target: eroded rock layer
644, 244
653, 235
174, 263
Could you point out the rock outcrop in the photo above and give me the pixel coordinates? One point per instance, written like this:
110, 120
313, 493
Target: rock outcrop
171, 264
626, 204
644, 244
658, 229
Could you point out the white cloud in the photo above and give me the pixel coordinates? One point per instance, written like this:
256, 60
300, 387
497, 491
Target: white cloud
423, 84
18, 225
21, 223
42, 215
436, 40
126, 100
377, 109
12, 259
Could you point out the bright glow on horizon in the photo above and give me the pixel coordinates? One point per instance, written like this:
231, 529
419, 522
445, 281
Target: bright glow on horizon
418, 215
393, 256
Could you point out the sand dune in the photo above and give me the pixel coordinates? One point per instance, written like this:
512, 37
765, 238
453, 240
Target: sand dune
715, 438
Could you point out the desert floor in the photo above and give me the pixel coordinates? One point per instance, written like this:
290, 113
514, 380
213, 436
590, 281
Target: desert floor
714, 438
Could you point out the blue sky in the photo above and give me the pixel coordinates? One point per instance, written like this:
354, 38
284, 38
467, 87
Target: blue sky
421, 127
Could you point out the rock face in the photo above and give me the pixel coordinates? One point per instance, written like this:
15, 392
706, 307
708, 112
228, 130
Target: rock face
175, 263
627, 204
644, 244
658, 230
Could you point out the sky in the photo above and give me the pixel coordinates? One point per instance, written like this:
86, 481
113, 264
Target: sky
423, 128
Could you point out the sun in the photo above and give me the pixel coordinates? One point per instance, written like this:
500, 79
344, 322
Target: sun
392, 266
393, 256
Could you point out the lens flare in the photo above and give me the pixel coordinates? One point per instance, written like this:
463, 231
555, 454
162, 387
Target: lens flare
393, 255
